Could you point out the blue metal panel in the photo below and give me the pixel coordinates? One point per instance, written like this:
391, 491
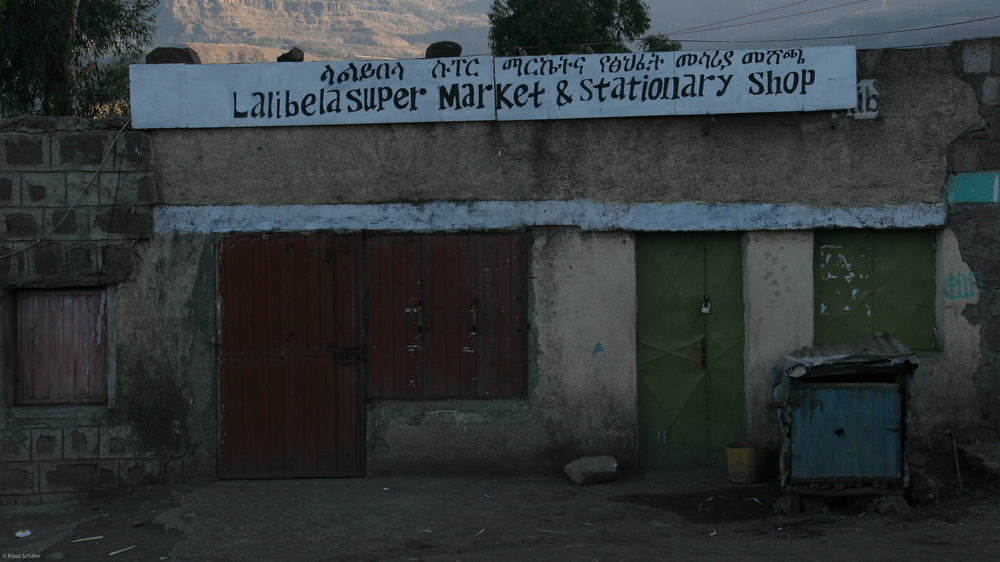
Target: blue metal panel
845, 433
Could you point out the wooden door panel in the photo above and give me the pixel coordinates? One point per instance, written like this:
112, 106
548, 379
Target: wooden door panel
288, 303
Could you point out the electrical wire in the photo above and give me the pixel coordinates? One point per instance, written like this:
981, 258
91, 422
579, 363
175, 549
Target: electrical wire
842, 36
78, 196
738, 18
774, 18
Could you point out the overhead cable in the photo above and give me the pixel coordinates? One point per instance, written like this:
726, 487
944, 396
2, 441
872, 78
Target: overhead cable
739, 18
772, 19
840, 36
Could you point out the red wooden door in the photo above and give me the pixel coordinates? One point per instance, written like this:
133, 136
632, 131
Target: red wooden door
291, 380
445, 316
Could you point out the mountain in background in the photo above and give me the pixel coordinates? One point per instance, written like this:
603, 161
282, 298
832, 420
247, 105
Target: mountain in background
260, 30
248, 30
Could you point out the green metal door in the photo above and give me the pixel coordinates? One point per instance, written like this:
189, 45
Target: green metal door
690, 362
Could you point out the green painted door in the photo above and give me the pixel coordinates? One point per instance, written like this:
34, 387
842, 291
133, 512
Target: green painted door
690, 363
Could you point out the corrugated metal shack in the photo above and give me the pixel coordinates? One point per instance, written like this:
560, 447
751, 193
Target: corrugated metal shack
843, 414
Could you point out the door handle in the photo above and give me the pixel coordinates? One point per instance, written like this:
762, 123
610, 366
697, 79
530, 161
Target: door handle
420, 316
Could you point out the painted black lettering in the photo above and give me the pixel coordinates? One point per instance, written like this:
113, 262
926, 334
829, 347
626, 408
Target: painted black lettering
808, 79
726, 79
307, 101
291, 107
236, 113
354, 101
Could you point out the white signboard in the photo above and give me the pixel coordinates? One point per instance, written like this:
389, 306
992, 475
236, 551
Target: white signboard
483, 88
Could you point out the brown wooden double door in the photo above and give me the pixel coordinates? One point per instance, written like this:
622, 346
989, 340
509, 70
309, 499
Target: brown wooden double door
445, 320
291, 377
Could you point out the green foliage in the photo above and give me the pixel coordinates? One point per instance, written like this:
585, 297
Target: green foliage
66, 57
659, 43
568, 26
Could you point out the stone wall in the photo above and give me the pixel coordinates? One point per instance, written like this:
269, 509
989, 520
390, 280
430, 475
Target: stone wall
74, 197
75, 201
974, 215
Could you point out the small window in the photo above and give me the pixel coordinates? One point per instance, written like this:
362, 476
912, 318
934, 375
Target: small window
61, 347
873, 281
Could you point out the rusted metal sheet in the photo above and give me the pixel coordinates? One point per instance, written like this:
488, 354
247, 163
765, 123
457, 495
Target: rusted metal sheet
61, 350
499, 300
395, 317
445, 316
846, 432
288, 306
449, 331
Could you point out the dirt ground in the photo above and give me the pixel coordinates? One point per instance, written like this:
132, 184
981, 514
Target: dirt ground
664, 515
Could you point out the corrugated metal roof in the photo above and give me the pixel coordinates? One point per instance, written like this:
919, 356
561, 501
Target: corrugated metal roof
877, 350
879, 343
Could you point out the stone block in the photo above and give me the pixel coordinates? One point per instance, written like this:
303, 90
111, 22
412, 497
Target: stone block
81, 443
173, 55
130, 222
83, 188
25, 150
81, 259
22, 225
977, 57
46, 444
127, 189
15, 446
991, 90
9, 194
139, 472
67, 477
117, 262
592, 470
990, 156
19, 478
108, 475
135, 152
64, 222
964, 157
48, 259
15, 264
119, 442
81, 149
43, 189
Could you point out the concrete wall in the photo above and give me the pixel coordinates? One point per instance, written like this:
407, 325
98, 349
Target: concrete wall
808, 158
973, 191
778, 313
581, 390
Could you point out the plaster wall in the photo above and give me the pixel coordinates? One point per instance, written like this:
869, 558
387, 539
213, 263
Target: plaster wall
944, 394
581, 390
778, 311
166, 354
814, 158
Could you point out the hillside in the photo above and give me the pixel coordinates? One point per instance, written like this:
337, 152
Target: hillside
259, 30
324, 29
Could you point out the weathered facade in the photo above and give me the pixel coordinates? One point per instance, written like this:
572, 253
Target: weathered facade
593, 201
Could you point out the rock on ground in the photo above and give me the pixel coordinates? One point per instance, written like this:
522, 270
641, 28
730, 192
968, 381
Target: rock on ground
923, 487
592, 470
891, 505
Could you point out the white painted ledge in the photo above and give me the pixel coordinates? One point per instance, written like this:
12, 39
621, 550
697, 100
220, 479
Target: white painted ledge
500, 215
